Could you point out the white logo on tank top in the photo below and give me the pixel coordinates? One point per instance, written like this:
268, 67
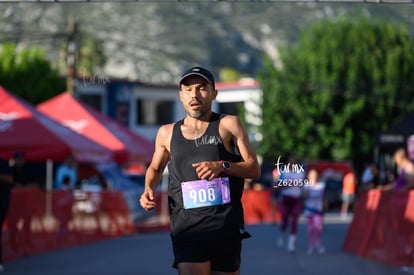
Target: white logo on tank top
208, 140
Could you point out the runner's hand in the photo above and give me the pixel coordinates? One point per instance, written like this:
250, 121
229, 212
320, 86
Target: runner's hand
208, 169
147, 199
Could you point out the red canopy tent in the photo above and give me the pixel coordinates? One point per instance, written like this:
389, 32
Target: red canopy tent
23, 128
126, 145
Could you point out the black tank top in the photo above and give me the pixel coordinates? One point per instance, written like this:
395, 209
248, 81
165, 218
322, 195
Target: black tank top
212, 222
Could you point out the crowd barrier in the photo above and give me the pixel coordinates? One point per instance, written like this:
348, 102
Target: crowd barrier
257, 205
40, 221
383, 227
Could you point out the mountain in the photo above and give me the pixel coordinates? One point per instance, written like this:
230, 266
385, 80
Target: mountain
154, 41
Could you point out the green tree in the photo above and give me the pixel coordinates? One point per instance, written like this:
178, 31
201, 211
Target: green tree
229, 74
27, 73
341, 84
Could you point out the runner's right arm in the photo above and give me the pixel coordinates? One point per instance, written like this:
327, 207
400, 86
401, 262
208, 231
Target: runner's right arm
154, 172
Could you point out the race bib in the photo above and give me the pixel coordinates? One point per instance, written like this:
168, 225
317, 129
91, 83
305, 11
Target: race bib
201, 193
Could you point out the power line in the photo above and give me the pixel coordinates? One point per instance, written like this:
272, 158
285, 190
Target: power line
304, 1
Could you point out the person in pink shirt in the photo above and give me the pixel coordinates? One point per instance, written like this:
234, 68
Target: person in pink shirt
405, 179
313, 210
290, 182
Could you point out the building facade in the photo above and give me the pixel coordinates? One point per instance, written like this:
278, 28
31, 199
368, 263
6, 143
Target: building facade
144, 108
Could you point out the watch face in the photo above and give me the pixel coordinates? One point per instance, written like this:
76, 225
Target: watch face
226, 165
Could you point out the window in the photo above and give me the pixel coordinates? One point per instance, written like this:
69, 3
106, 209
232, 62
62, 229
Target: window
93, 100
154, 112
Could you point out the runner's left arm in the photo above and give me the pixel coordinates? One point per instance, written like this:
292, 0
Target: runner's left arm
232, 132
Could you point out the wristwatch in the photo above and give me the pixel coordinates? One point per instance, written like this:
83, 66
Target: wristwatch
226, 165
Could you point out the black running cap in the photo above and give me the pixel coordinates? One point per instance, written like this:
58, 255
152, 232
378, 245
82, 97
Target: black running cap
200, 71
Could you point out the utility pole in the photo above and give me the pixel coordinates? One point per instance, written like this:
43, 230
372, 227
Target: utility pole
71, 50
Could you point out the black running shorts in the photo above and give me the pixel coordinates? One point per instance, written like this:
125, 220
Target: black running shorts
224, 255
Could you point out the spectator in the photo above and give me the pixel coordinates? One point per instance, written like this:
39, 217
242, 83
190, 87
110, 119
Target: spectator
67, 169
348, 192
370, 178
16, 176
275, 196
64, 206
313, 210
6, 183
405, 179
291, 174
18, 169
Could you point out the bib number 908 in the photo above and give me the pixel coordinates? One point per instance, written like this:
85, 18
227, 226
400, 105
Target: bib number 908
203, 195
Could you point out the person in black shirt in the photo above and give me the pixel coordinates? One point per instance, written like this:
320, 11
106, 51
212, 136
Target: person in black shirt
208, 155
11, 174
6, 183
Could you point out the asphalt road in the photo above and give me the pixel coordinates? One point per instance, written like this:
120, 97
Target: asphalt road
151, 253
